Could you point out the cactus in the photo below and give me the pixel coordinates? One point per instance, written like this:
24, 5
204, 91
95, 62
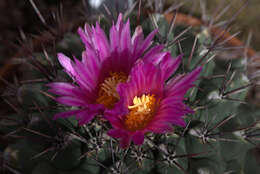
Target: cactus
221, 136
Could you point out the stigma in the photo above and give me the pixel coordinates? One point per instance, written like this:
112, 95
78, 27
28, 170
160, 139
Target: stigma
141, 112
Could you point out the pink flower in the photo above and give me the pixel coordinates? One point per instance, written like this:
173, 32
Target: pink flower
148, 104
105, 63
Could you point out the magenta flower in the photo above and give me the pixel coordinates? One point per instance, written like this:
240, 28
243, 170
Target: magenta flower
105, 63
148, 104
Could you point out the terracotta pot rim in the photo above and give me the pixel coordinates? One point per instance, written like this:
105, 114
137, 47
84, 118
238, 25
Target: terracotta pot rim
185, 19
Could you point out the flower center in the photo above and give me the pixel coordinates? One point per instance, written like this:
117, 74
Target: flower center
141, 112
107, 94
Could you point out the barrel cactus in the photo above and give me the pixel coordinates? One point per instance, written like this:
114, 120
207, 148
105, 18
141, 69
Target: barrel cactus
122, 97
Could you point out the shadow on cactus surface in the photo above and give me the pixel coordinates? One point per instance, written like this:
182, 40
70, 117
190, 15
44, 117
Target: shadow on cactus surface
210, 130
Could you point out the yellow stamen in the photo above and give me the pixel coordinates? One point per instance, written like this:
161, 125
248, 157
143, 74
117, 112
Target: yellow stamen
141, 112
108, 95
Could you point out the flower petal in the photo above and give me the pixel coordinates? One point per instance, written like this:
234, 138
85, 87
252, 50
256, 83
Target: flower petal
84, 38
117, 133
149, 78
119, 22
84, 77
124, 137
61, 88
86, 115
67, 64
101, 42
159, 127
154, 55
137, 36
114, 116
138, 138
147, 42
125, 39
70, 101
114, 39
137, 40
180, 87
169, 65
125, 141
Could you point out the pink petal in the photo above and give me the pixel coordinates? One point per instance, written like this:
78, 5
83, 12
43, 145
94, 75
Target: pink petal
114, 115
101, 42
119, 22
138, 138
147, 42
70, 101
69, 90
85, 116
171, 115
90, 54
138, 35
154, 55
61, 88
121, 134
117, 133
177, 121
137, 40
83, 36
145, 78
180, 87
159, 127
169, 65
114, 38
125, 40
84, 77
67, 64
125, 141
